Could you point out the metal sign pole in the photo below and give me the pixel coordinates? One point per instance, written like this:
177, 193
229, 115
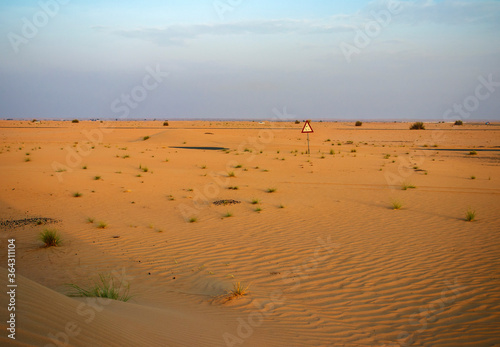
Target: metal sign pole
308, 149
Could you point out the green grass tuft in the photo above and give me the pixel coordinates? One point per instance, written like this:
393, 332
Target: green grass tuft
106, 287
271, 190
102, 225
396, 204
470, 215
193, 220
406, 186
255, 201
77, 194
50, 238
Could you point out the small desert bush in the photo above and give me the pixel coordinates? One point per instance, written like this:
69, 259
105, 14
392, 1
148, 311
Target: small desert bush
145, 138
459, 122
297, 122
358, 123
102, 225
75, 121
105, 287
470, 215
77, 194
165, 123
255, 201
228, 214
406, 186
271, 190
396, 204
238, 291
27, 159
472, 153
417, 126
97, 178
192, 219
231, 174
50, 238
90, 220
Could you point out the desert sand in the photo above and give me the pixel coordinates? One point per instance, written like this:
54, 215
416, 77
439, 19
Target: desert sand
327, 258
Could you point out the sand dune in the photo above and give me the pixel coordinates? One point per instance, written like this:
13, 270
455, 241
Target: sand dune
328, 260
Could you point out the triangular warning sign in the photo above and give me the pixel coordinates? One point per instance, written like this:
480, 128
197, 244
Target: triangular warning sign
307, 128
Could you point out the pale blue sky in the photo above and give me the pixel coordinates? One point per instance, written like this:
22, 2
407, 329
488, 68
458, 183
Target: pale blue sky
244, 58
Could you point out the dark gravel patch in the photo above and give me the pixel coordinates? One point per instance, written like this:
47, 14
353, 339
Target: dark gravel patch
226, 202
14, 223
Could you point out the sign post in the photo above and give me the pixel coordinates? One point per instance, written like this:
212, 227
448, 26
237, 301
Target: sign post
307, 129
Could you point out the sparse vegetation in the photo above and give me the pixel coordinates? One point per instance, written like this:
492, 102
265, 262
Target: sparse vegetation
472, 153
165, 123
231, 174
145, 138
192, 219
228, 214
75, 121
258, 209
358, 123
255, 201
233, 187
106, 287
472, 177
27, 159
90, 220
102, 225
396, 204
77, 194
417, 126
50, 238
271, 190
238, 291
97, 178
406, 186
470, 215
459, 122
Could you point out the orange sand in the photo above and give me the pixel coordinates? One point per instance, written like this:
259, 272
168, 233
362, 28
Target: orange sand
328, 260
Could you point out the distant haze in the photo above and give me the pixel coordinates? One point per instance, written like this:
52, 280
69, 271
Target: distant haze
250, 59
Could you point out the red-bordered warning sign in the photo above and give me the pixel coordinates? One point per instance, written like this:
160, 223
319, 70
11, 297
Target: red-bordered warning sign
307, 128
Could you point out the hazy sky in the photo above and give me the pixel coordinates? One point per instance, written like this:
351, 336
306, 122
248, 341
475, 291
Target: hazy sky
245, 58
